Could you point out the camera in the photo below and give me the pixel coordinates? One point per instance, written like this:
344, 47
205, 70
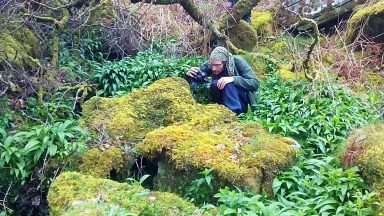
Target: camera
201, 77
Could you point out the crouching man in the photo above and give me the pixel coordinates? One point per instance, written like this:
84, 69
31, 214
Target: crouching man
233, 80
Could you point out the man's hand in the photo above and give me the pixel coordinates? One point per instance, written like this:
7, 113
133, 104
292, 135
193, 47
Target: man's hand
224, 81
192, 71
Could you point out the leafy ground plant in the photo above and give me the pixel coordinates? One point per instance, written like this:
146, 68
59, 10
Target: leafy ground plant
318, 187
119, 77
313, 187
201, 189
20, 153
6, 120
319, 115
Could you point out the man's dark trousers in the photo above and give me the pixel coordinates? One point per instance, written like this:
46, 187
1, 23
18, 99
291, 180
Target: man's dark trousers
234, 98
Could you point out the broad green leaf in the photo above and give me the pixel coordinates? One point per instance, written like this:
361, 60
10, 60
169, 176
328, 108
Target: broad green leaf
32, 145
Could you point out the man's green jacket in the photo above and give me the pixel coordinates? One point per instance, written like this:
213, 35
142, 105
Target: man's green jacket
244, 77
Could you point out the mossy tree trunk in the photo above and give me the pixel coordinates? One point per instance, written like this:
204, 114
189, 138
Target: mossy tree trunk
217, 27
59, 15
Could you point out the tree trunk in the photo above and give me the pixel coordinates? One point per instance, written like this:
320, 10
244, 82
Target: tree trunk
219, 27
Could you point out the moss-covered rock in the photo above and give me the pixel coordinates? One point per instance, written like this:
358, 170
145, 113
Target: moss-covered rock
100, 163
191, 136
369, 21
262, 22
76, 194
19, 47
240, 153
243, 36
285, 72
132, 116
365, 149
258, 64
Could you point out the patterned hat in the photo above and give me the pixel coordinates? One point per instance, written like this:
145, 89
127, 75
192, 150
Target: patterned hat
222, 54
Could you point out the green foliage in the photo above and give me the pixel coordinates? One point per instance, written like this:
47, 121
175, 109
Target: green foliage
318, 187
139, 182
318, 116
6, 120
201, 189
238, 202
118, 77
201, 92
376, 98
22, 152
57, 108
313, 187
78, 59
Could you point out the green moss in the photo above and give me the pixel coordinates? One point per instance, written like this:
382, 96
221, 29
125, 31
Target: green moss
365, 149
262, 22
132, 116
94, 208
286, 73
243, 36
100, 163
373, 28
375, 79
74, 193
190, 136
280, 46
241, 153
258, 64
103, 12
20, 47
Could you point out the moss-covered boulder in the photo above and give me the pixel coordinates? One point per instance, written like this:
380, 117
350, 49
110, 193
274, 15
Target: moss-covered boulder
167, 125
258, 64
131, 117
369, 21
262, 22
365, 149
100, 163
242, 154
19, 47
243, 36
285, 72
76, 194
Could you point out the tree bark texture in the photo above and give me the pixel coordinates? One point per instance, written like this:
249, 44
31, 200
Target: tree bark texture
219, 27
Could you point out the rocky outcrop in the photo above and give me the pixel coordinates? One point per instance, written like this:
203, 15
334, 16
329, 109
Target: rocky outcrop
100, 163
